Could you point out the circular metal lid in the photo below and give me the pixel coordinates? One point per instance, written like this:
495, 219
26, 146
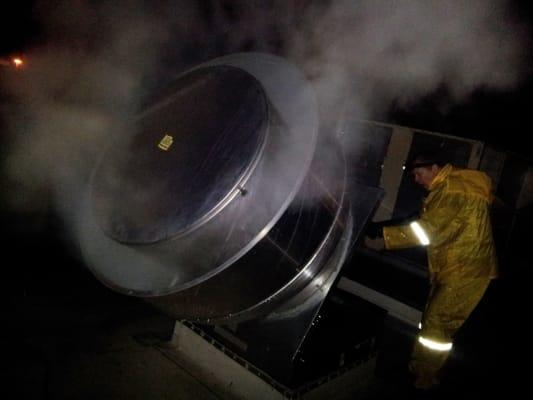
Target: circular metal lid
253, 175
190, 154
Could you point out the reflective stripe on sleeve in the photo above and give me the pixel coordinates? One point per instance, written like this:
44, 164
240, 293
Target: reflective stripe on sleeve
433, 345
420, 233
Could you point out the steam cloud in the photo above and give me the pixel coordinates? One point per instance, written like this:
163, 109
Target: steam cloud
97, 62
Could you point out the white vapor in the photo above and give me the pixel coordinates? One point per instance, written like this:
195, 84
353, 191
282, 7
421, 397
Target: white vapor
86, 80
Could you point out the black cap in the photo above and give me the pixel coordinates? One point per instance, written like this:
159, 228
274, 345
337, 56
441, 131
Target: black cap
425, 159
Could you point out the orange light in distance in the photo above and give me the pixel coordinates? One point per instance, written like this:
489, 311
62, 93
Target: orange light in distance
18, 62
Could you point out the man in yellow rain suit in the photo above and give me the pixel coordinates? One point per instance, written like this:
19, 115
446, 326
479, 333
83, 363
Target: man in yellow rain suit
455, 227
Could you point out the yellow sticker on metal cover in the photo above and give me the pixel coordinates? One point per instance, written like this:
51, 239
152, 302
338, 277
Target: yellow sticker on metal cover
165, 143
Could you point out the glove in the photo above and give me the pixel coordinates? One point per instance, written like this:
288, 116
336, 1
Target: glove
374, 230
375, 244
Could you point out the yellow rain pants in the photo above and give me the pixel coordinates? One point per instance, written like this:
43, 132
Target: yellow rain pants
455, 226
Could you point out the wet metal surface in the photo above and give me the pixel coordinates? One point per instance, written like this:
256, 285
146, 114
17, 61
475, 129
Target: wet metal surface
233, 215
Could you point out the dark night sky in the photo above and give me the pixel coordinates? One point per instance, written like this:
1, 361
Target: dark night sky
18, 27
498, 118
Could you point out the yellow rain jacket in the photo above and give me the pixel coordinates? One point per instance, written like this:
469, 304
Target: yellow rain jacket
455, 221
455, 226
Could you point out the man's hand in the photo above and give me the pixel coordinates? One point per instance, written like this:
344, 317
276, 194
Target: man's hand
377, 244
